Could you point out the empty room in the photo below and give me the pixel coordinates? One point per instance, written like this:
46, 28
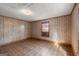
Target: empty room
39, 29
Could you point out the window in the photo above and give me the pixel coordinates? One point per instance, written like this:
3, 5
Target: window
45, 29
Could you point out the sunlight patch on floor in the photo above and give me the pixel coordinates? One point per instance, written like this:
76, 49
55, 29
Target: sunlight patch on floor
56, 43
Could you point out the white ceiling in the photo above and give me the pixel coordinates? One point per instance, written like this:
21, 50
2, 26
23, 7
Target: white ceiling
39, 10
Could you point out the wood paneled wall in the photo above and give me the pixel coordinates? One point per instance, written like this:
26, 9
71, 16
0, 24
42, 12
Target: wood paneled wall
1, 30
13, 29
75, 19
60, 29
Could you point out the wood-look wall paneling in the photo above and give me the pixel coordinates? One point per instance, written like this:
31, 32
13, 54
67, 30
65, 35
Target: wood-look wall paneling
8, 30
75, 27
14, 29
78, 29
1, 30
60, 29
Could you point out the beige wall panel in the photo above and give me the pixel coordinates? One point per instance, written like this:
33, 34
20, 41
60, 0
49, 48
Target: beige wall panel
1, 30
60, 29
14, 29
75, 29
8, 30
